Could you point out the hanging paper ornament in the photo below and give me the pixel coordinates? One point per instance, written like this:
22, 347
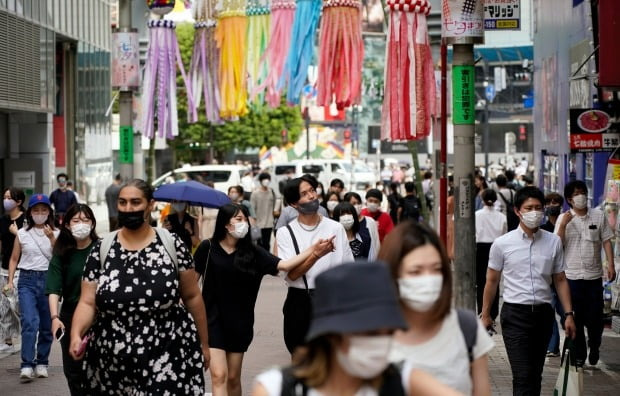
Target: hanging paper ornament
160, 7
204, 67
341, 54
230, 35
409, 97
259, 21
160, 84
282, 17
301, 48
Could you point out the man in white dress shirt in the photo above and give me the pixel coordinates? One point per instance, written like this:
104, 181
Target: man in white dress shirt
584, 231
529, 258
297, 236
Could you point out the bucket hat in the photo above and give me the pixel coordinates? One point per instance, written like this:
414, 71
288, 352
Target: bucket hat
353, 298
39, 198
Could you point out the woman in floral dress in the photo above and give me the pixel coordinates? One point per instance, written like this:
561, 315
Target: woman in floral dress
144, 341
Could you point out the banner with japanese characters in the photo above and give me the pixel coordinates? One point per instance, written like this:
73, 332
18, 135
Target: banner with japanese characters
462, 21
590, 130
502, 14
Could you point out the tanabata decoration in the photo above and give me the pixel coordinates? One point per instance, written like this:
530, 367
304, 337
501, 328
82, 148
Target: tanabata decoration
230, 35
301, 47
282, 17
341, 54
204, 67
259, 19
160, 7
160, 85
409, 97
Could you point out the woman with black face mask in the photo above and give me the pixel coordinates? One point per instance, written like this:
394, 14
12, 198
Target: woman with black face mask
143, 339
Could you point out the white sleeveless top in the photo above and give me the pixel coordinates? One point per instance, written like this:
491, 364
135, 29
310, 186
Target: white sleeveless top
271, 380
36, 249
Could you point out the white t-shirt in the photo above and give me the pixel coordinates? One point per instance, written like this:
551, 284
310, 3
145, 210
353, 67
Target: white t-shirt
445, 355
272, 381
36, 249
326, 229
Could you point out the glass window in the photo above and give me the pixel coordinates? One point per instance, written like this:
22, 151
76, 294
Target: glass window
27, 4
51, 53
35, 10
56, 14
19, 7
43, 67
10, 4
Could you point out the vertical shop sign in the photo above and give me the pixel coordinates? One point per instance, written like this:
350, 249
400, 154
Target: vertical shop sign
463, 99
502, 14
125, 61
126, 145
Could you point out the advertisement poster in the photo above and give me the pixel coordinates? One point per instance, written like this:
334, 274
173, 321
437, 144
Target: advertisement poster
590, 131
502, 15
125, 61
462, 21
464, 95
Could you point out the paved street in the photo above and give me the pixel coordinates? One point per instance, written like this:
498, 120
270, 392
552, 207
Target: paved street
268, 350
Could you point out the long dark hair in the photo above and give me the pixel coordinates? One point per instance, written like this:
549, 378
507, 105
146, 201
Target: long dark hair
246, 251
65, 243
17, 194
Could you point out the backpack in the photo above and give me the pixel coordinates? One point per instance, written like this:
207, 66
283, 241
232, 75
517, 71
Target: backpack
468, 323
511, 217
166, 238
391, 384
411, 209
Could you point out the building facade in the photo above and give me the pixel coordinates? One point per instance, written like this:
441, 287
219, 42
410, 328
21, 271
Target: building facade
54, 93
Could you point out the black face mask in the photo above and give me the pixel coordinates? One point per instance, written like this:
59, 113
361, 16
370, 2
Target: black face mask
553, 210
308, 207
131, 220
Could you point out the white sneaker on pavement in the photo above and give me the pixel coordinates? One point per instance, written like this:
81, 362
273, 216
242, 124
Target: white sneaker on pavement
26, 374
41, 371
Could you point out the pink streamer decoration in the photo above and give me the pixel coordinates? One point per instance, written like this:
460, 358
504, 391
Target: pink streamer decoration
204, 71
282, 17
160, 78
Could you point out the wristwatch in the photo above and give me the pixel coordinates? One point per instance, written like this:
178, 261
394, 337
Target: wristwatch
569, 313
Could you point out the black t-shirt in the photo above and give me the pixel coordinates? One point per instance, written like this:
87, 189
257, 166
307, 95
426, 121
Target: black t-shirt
411, 208
62, 200
229, 292
7, 238
548, 226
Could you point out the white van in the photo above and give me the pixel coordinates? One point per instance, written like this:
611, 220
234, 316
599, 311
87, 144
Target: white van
222, 176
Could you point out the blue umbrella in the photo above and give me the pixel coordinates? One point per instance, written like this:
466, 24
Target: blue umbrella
193, 192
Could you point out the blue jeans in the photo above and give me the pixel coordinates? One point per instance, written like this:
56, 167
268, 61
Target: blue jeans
35, 318
554, 342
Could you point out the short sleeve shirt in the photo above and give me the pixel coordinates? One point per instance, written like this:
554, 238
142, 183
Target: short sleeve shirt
527, 265
583, 241
64, 279
7, 238
326, 229
36, 249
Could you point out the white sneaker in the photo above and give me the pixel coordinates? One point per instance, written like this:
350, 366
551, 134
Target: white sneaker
26, 374
41, 371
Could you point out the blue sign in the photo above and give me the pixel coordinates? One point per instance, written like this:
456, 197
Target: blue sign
489, 92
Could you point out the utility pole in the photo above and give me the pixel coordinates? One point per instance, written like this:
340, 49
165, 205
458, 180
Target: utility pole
464, 120
128, 143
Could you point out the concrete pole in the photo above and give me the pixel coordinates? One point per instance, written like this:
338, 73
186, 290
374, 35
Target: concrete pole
463, 78
135, 169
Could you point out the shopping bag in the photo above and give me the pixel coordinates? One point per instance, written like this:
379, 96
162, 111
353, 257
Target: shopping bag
570, 377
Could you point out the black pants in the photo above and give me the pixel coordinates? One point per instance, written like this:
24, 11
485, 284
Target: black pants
297, 312
265, 238
73, 369
526, 330
587, 299
482, 263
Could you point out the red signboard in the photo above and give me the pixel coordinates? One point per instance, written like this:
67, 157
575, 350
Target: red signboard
608, 31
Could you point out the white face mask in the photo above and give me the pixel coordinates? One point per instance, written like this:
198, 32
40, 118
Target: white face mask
580, 201
319, 191
420, 293
80, 231
372, 207
532, 219
233, 196
39, 218
241, 230
347, 221
265, 182
331, 205
178, 207
367, 356
358, 209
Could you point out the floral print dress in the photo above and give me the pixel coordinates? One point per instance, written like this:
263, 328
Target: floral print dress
144, 342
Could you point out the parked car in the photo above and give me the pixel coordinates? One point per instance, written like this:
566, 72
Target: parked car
222, 176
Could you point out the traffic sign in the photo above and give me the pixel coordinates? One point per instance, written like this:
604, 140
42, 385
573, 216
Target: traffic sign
489, 92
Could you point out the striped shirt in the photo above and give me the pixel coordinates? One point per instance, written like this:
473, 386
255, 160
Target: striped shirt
583, 241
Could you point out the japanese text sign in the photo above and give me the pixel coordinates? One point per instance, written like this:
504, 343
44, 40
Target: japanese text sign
463, 95
502, 14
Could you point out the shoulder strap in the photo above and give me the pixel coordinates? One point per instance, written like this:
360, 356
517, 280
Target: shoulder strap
503, 198
168, 240
469, 327
290, 230
392, 384
104, 248
204, 274
291, 385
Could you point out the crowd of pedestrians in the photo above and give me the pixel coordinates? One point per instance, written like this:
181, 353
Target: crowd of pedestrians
368, 310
